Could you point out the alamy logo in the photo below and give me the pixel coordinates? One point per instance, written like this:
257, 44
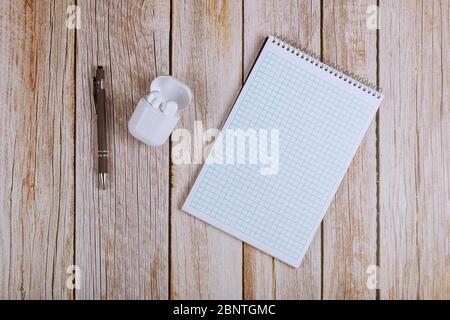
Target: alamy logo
74, 279
359, 12
231, 147
372, 272
373, 20
73, 20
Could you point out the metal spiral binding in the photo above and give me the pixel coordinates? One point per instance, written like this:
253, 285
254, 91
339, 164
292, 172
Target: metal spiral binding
328, 66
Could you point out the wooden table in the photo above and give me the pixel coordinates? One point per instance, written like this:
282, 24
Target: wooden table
132, 241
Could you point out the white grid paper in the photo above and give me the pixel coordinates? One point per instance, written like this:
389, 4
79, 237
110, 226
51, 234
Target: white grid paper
321, 121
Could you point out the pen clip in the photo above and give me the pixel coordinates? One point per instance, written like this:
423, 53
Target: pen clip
99, 84
95, 93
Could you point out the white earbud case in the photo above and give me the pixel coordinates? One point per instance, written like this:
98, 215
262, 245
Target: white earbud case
157, 114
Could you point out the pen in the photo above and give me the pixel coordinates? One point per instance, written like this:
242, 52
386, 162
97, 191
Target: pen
99, 99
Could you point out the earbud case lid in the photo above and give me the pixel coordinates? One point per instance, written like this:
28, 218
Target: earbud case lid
172, 89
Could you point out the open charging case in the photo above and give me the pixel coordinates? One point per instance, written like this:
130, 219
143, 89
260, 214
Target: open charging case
157, 114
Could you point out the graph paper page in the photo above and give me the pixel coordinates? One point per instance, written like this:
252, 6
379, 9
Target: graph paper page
321, 121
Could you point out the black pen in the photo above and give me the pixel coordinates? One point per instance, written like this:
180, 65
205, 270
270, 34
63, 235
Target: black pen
99, 98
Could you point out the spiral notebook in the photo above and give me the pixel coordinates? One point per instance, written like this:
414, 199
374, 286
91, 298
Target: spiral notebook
313, 118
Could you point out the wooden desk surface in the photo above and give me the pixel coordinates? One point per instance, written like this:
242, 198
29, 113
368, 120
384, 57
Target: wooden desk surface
132, 241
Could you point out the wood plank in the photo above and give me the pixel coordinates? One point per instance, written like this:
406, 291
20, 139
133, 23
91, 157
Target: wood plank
398, 145
36, 150
299, 21
433, 133
350, 226
207, 55
122, 232
414, 151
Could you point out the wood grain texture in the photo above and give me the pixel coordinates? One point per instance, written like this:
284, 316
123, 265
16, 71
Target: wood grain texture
207, 55
132, 240
264, 277
414, 150
122, 232
36, 150
350, 226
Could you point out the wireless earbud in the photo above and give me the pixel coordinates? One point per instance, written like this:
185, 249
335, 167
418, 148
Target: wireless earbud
156, 115
170, 108
154, 99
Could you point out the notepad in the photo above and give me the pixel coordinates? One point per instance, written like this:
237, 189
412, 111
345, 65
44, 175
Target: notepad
320, 115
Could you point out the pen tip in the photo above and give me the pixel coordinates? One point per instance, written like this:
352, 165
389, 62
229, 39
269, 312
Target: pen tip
103, 181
